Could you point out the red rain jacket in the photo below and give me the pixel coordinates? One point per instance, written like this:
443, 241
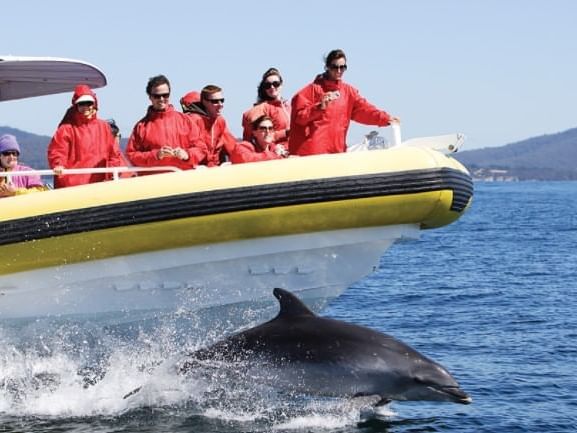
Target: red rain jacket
244, 151
315, 131
278, 111
83, 142
214, 132
165, 128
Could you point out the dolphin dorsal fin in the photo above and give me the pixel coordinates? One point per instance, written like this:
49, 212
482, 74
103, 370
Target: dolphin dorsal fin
290, 305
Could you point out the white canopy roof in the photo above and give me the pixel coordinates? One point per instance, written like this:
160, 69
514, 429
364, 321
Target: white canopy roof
24, 77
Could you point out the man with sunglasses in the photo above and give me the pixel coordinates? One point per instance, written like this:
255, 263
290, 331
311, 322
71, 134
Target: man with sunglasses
322, 111
82, 140
164, 136
205, 111
15, 185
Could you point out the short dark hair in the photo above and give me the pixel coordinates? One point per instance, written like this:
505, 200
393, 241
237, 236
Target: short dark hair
256, 123
156, 81
208, 90
113, 127
334, 55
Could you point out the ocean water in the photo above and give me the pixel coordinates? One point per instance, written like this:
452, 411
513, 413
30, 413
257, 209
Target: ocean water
492, 297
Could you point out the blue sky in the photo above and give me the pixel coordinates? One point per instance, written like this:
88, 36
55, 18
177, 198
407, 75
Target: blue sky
498, 71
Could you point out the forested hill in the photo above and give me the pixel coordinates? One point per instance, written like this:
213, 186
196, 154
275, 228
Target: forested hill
547, 157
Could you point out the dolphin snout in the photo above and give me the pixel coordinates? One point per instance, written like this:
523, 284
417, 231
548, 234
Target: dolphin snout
458, 395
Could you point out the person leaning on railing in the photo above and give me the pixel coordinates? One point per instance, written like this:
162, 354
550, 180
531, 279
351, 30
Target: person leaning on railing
82, 140
261, 147
321, 112
11, 185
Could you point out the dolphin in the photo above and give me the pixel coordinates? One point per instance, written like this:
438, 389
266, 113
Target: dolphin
300, 351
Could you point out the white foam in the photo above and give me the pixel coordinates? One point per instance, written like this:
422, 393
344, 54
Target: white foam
68, 371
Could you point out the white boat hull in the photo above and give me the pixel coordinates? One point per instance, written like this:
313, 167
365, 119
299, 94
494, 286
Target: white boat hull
317, 266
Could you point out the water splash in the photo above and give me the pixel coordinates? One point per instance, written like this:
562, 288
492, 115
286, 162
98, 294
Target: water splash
62, 369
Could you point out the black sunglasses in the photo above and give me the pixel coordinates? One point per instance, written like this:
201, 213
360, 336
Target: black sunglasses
338, 67
266, 128
216, 101
160, 95
269, 84
10, 152
85, 103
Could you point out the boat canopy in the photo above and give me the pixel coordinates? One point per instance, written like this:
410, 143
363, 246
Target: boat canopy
25, 77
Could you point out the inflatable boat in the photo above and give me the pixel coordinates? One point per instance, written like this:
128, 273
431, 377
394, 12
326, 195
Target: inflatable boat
222, 235
215, 241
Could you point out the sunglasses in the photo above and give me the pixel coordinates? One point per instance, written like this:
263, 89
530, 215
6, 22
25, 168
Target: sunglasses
85, 103
216, 101
338, 67
160, 95
269, 84
266, 128
10, 153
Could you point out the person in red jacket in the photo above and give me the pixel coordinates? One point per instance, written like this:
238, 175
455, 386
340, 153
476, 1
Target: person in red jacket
164, 136
82, 140
323, 110
262, 146
205, 110
270, 103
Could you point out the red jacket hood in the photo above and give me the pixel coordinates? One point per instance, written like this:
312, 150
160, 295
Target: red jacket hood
191, 103
72, 115
84, 90
190, 97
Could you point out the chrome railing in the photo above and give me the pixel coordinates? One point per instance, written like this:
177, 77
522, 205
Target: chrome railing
115, 171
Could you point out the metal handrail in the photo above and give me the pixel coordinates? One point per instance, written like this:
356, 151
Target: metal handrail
114, 170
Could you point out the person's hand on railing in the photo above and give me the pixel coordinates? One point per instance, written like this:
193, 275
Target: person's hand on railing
58, 170
7, 190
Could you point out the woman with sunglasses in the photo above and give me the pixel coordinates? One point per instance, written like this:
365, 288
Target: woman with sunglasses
270, 103
262, 146
15, 185
323, 110
205, 110
82, 140
164, 136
